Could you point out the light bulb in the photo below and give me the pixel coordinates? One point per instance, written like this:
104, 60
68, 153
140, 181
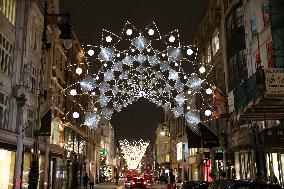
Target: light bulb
91, 52
75, 115
176, 64
79, 71
105, 64
189, 51
188, 107
108, 39
95, 109
118, 55
129, 31
202, 69
209, 91
73, 92
208, 112
188, 92
93, 93
97, 78
172, 39
151, 32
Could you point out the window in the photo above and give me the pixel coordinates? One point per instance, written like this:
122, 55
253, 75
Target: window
8, 9
253, 27
33, 79
31, 123
209, 56
6, 54
215, 42
4, 111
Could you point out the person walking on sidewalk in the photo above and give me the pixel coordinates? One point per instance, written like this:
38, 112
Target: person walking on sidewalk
85, 181
91, 181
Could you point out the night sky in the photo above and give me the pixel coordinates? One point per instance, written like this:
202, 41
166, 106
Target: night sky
89, 17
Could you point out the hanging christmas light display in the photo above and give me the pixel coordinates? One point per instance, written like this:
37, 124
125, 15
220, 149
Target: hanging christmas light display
141, 64
133, 152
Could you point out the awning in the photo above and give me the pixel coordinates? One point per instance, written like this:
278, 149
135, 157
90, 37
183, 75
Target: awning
208, 138
194, 140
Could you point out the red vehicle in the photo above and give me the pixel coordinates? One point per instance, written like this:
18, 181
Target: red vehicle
135, 183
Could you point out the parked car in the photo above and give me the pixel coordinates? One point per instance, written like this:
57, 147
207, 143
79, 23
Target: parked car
243, 184
195, 185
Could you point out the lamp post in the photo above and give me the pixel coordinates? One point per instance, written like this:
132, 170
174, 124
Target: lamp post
66, 39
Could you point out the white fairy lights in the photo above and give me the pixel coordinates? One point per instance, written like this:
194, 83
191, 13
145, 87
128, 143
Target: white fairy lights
131, 73
133, 152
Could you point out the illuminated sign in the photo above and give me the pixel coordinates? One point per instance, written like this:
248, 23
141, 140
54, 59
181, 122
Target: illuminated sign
179, 151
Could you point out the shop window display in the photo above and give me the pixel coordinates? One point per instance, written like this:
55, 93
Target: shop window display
7, 162
26, 169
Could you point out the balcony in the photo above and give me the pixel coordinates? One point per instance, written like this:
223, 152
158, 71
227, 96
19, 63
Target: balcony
260, 97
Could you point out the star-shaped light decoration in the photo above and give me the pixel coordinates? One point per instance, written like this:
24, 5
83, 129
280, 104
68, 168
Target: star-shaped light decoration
126, 69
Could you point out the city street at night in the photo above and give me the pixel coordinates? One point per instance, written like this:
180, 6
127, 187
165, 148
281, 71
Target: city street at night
148, 94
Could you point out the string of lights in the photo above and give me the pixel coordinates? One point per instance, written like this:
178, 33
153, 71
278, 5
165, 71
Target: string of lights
142, 63
133, 152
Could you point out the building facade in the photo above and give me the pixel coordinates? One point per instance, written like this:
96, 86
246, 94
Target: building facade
34, 76
250, 57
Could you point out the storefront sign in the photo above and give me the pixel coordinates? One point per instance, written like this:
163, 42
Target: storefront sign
241, 137
274, 80
179, 151
273, 137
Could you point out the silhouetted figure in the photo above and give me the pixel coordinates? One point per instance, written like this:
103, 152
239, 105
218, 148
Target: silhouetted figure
223, 175
85, 181
91, 181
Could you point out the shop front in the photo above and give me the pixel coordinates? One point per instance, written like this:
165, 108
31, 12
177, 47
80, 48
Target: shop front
242, 154
7, 162
272, 140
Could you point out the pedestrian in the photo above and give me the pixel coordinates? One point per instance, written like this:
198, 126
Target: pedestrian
85, 181
116, 178
91, 181
171, 181
274, 179
223, 175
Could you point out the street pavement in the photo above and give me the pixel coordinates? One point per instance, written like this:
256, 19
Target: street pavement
121, 186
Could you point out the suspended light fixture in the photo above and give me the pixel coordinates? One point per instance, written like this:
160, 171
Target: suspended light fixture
75, 115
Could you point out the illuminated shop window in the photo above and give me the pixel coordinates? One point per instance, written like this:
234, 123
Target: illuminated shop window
7, 162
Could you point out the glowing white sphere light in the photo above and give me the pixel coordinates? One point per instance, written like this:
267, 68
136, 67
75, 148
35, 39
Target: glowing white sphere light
208, 112
189, 51
79, 71
91, 52
73, 92
108, 39
75, 115
172, 39
129, 31
202, 69
209, 91
151, 32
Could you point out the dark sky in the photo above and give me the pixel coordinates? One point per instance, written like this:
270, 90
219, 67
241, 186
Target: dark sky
89, 17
